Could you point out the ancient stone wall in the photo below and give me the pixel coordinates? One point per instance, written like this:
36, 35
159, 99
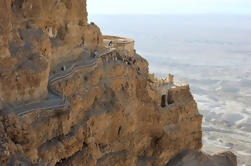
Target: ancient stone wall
120, 43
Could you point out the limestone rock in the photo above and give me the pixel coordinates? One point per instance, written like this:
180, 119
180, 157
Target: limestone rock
66, 99
114, 118
35, 36
193, 158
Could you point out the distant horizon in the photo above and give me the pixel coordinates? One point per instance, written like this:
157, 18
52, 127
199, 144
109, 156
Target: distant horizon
169, 7
174, 14
93, 17
211, 52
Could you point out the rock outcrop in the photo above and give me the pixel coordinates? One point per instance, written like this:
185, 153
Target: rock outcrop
35, 36
192, 158
67, 99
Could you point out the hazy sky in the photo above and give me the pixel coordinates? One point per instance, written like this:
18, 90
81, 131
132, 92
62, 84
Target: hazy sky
168, 6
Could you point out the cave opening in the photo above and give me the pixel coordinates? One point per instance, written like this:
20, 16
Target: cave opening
163, 101
63, 68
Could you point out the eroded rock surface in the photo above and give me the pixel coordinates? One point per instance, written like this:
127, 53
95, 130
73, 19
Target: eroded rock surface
66, 99
114, 117
192, 158
34, 37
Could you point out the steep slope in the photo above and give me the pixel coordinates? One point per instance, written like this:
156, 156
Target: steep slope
35, 36
70, 98
192, 158
114, 117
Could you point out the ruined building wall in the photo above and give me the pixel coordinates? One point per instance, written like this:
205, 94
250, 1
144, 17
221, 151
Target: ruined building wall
120, 43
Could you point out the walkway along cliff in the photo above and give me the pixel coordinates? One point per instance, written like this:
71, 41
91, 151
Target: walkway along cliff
71, 96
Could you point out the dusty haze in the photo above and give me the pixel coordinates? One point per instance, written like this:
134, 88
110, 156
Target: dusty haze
213, 54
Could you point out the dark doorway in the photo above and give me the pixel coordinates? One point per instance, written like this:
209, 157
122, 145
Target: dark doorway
63, 68
110, 44
163, 101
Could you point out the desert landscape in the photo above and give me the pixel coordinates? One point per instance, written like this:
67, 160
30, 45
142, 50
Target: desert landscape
73, 94
210, 52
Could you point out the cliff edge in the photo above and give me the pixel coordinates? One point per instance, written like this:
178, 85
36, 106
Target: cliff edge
71, 96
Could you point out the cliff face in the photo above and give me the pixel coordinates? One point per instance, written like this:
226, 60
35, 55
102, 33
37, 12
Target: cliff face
192, 158
67, 99
114, 117
35, 36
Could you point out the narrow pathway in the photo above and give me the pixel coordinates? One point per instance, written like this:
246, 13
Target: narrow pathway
56, 101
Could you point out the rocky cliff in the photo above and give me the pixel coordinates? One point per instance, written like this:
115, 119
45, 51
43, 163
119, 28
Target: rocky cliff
35, 36
69, 98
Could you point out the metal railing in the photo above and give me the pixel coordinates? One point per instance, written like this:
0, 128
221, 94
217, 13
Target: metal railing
74, 68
